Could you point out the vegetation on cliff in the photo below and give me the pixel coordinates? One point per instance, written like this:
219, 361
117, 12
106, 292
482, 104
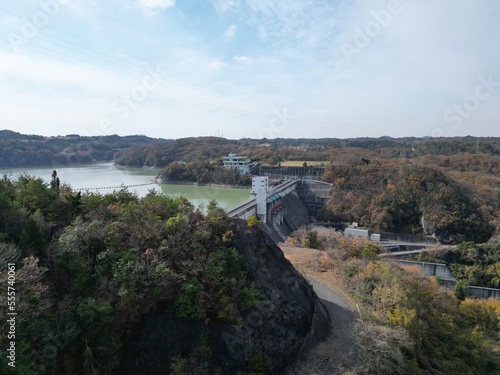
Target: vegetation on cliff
89, 265
404, 197
408, 323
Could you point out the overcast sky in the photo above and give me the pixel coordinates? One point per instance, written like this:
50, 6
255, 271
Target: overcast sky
250, 68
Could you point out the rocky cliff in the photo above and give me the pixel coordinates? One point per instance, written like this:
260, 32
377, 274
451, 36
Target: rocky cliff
288, 319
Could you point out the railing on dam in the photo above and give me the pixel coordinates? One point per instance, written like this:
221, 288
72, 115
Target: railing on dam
244, 210
284, 188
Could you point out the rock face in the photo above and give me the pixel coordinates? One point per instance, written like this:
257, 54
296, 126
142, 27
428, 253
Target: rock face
288, 319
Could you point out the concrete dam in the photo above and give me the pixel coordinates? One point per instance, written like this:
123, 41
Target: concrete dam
286, 207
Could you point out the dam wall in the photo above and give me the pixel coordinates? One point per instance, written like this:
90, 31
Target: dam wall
293, 215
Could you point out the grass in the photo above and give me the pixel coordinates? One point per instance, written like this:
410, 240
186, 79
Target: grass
300, 163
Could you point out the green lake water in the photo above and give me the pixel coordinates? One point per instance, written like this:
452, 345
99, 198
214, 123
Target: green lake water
108, 178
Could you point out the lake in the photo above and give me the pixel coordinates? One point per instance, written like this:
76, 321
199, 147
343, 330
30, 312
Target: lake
107, 178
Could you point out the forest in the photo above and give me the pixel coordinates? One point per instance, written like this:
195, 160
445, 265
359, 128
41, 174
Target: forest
32, 150
88, 266
19, 150
273, 151
407, 197
203, 172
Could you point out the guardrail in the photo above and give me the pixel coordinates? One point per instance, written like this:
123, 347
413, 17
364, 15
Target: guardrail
242, 208
448, 279
115, 187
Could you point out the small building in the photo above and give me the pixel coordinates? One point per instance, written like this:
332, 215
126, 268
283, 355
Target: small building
259, 183
363, 234
233, 161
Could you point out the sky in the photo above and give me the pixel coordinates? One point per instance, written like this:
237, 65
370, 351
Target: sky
251, 68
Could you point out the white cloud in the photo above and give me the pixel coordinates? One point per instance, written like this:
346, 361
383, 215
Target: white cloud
216, 65
230, 32
427, 58
152, 7
243, 59
400, 83
38, 73
223, 6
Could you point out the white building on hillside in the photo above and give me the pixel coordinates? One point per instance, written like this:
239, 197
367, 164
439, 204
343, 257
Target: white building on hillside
237, 162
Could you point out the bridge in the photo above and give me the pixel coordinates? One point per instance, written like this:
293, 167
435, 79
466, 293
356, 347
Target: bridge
285, 207
392, 249
115, 187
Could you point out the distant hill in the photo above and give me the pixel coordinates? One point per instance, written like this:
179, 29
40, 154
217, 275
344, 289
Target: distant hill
18, 149
21, 150
272, 151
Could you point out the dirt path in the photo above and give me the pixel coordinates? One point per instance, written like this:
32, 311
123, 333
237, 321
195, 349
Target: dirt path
337, 354
343, 318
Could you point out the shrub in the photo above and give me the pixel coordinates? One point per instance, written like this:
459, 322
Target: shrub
253, 221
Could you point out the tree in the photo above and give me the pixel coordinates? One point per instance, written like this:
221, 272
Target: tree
34, 193
55, 182
461, 290
311, 240
32, 240
216, 218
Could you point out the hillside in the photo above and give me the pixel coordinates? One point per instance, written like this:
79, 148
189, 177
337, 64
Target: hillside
272, 151
114, 284
406, 322
409, 198
19, 150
